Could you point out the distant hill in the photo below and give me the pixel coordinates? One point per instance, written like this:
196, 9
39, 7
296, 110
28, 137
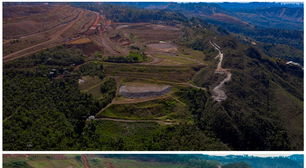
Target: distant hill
258, 162
253, 5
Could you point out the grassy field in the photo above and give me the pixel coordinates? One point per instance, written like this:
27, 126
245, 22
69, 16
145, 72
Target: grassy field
193, 54
55, 164
174, 61
178, 74
91, 85
161, 109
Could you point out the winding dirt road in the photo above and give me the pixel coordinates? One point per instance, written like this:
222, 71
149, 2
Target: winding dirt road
219, 95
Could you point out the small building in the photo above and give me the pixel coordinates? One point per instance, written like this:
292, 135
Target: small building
91, 117
254, 44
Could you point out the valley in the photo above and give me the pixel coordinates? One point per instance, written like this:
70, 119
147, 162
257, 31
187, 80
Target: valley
141, 79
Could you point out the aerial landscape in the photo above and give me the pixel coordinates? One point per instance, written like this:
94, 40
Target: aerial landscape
149, 161
158, 76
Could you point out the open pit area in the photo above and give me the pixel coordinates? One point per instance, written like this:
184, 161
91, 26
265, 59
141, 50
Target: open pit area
163, 47
143, 90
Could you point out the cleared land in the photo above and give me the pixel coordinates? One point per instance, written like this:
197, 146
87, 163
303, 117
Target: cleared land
142, 87
54, 37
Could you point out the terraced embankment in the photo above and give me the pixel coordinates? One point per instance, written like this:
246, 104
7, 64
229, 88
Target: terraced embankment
53, 37
148, 90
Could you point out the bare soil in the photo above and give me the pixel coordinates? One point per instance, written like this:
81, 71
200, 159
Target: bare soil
164, 47
53, 37
85, 161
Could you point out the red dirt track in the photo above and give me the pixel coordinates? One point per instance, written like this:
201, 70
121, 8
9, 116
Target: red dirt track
85, 161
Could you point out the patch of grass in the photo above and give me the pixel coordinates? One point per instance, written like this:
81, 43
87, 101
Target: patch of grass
140, 135
89, 83
72, 155
193, 54
165, 108
40, 164
179, 74
65, 163
172, 60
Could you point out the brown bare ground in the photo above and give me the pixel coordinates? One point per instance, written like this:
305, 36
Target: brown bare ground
30, 26
109, 165
85, 161
53, 37
105, 43
81, 41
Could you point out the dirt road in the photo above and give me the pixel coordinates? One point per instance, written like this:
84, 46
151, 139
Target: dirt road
105, 43
85, 161
219, 95
53, 37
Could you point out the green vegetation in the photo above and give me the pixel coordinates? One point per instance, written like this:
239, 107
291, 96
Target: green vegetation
292, 38
45, 107
237, 165
92, 69
163, 160
42, 113
16, 164
167, 108
148, 136
131, 58
126, 14
56, 57
256, 121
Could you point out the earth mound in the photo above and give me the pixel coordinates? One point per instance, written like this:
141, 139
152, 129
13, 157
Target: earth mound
141, 90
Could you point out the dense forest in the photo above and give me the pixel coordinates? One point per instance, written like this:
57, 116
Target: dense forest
292, 38
44, 113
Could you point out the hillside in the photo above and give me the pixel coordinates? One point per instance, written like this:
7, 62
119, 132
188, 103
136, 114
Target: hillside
112, 161
268, 24
259, 162
121, 78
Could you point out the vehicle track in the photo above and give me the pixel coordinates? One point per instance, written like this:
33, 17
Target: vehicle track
85, 161
219, 95
53, 37
104, 42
